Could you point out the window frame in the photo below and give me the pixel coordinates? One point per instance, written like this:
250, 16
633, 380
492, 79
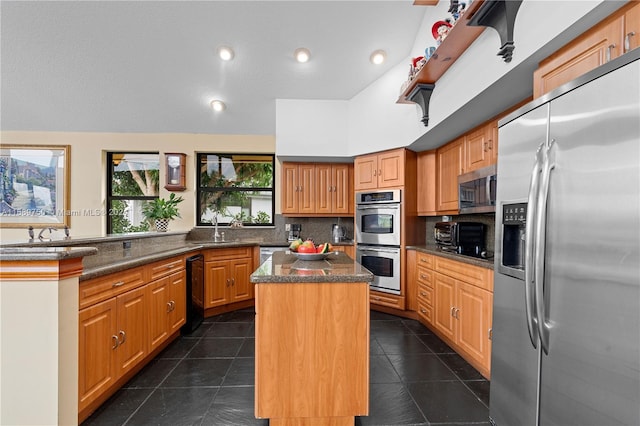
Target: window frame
111, 197
200, 189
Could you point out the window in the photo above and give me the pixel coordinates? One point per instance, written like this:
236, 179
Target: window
235, 188
132, 179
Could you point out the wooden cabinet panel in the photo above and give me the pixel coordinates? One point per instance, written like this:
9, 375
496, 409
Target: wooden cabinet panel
592, 49
178, 298
473, 317
349, 250
449, 161
97, 342
317, 188
475, 275
158, 309
381, 170
165, 267
444, 305
427, 186
425, 260
493, 142
632, 28
477, 153
103, 288
227, 281
386, 299
132, 314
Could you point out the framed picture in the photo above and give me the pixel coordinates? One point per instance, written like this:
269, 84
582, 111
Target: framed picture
35, 186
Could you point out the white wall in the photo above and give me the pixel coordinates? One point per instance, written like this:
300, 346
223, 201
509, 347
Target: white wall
88, 168
311, 127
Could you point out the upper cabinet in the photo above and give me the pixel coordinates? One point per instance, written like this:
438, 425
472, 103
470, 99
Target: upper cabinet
317, 189
611, 38
381, 170
449, 165
479, 149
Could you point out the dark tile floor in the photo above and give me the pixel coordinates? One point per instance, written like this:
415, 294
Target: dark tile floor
206, 378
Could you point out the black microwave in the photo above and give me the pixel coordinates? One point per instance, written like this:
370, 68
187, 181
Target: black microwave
461, 237
477, 191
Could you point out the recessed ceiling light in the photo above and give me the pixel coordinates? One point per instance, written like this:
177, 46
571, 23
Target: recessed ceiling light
302, 54
226, 53
218, 105
378, 57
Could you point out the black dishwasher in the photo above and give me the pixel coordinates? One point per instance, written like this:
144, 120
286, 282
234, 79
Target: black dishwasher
195, 293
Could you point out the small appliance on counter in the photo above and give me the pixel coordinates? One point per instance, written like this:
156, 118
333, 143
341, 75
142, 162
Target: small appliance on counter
466, 238
294, 231
337, 233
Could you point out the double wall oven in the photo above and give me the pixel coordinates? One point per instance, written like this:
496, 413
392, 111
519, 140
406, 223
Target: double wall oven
378, 217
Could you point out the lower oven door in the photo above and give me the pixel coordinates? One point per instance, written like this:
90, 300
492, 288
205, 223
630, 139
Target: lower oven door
384, 264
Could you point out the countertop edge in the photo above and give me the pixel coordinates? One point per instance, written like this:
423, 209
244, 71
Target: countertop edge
483, 263
26, 254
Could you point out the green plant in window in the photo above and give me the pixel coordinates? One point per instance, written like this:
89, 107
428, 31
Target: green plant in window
162, 208
261, 217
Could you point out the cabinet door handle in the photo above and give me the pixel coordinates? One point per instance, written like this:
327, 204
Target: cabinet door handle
118, 284
490, 334
124, 337
627, 40
453, 310
609, 49
457, 313
228, 282
379, 172
116, 342
375, 172
233, 281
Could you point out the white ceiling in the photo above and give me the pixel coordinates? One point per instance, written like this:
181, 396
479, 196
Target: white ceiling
151, 66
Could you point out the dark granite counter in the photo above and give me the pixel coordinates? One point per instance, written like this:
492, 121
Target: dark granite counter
285, 267
432, 249
44, 253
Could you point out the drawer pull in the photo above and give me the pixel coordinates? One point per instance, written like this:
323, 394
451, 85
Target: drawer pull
627, 40
423, 310
422, 293
423, 276
118, 284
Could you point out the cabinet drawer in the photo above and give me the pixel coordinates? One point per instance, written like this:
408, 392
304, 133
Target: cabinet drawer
389, 300
103, 288
165, 267
425, 312
471, 274
425, 294
425, 260
228, 253
425, 276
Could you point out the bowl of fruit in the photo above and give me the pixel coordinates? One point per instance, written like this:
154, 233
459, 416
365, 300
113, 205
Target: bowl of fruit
307, 250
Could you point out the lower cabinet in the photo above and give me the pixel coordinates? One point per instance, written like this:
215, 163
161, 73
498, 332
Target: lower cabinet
227, 274
455, 299
123, 318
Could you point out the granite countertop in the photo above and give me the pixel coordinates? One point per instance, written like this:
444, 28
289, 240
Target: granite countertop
432, 249
285, 267
44, 253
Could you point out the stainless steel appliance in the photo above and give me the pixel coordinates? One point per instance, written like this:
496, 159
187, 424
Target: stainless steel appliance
337, 233
378, 217
294, 231
566, 315
384, 264
466, 238
477, 191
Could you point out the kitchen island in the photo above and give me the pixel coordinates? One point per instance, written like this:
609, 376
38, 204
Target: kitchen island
312, 340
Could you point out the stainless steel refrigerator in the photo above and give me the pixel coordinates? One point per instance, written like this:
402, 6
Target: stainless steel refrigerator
566, 314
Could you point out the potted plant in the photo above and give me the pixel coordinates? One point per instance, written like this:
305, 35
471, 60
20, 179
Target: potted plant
160, 211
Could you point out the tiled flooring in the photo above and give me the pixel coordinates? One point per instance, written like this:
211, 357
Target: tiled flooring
207, 379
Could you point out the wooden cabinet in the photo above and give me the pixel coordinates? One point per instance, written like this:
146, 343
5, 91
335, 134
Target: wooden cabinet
298, 188
227, 274
386, 299
449, 166
349, 250
381, 170
607, 40
317, 189
113, 339
478, 149
427, 183
455, 300
334, 193
123, 318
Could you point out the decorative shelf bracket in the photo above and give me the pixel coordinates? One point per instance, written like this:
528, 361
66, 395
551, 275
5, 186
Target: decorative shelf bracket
501, 16
421, 94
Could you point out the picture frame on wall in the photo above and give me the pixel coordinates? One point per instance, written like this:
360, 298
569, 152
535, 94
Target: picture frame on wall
34, 186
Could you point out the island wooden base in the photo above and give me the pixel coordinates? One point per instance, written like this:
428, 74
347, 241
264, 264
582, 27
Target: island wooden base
312, 353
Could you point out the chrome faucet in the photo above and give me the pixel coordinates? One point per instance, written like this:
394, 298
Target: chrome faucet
216, 234
40, 237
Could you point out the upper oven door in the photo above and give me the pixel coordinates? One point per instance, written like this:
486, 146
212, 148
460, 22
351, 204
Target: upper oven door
378, 224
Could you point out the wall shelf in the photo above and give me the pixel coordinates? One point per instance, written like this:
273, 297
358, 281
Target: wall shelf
452, 47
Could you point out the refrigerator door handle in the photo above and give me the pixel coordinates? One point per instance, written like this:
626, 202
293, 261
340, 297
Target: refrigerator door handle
540, 243
529, 272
